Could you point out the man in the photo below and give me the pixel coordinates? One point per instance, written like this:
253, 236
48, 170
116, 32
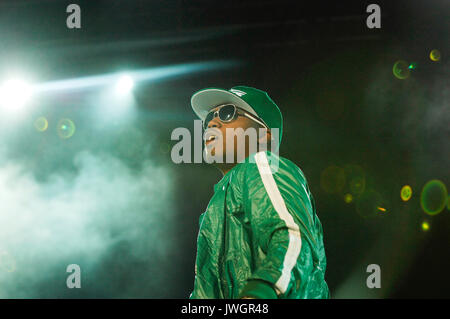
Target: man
260, 236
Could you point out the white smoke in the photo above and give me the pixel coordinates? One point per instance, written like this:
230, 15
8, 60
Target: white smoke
79, 218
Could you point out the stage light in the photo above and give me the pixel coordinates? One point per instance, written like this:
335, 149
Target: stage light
124, 85
14, 94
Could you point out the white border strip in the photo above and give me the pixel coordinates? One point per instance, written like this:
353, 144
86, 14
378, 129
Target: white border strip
295, 241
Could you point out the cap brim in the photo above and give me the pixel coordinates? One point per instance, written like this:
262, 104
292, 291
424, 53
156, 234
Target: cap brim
205, 100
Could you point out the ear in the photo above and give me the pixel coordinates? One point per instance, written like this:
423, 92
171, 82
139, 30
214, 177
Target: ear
264, 136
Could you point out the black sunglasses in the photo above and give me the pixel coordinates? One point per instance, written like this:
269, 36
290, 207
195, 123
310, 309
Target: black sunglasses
227, 113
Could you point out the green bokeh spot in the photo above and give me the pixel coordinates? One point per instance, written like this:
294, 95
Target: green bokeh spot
433, 197
332, 179
401, 70
65, 128
371, 203
406, 193
41, 124
435, 55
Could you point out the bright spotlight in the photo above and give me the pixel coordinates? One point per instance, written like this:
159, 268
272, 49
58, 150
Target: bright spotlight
124, 85
14, 94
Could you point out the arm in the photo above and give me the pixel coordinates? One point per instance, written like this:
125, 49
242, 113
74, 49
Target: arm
270, 199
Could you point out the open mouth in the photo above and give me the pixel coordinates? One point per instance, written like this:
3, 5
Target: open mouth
211, 135
210, 139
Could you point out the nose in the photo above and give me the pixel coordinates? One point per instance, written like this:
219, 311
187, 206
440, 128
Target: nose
214, 123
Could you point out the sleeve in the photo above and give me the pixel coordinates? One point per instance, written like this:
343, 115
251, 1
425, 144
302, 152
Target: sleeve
270, 200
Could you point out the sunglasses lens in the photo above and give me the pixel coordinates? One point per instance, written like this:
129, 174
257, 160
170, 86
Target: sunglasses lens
226, 113
208, 119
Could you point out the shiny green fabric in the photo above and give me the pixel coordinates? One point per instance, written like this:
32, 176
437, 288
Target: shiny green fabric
244, 241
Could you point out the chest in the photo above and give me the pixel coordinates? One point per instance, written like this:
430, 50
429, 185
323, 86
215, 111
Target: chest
223, 222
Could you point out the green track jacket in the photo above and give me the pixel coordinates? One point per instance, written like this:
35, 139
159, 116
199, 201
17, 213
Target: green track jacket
260, 236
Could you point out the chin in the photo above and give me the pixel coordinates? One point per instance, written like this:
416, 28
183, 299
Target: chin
211, 156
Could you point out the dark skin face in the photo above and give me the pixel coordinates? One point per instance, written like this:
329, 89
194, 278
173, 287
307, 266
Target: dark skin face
239, 122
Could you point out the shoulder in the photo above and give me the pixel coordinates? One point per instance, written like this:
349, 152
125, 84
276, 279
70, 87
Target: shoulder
266, 164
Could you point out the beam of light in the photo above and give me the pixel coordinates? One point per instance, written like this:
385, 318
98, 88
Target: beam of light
152, 74
14, 94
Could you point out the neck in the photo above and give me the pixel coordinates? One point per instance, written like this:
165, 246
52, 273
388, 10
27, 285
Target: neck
225, 167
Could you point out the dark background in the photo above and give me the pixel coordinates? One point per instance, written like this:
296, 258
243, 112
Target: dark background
332, 79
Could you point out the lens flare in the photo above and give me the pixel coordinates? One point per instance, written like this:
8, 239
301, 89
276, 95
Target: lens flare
164, 148
41, 124
370, 204
425, 226
435, 55
433, 197
401, 70
406, 193
332, 179
348, 198
65, 128
356, 178
357, 185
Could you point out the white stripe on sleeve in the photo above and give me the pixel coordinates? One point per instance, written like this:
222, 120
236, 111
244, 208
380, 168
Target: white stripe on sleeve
295, 241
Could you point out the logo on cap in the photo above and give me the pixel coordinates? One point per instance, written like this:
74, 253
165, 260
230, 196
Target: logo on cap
237, 92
